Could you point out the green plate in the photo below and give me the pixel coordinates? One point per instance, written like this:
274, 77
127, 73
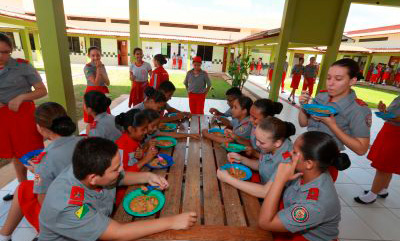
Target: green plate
167, 138
171, 126
233, 147
137, 193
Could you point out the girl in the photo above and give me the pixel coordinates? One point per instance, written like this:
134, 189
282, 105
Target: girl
197, 84
154, 100
259, 66
231, 95
270, 71
383, 155
272, 137
297, 72
310, 74
96, 77
54, 125
311, 206
351, 126
139, 74
174, 61
375, 74
168, 89
180, 61
17, 123
96, 104
397, 77
387, 73
252, 63
159, 75
369, 74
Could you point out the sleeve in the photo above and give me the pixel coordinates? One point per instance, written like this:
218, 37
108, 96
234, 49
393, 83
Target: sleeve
208, 81
301, 216
243, 131
360, 123
32, 76
75, 222
185, 82
89, 71
98, 132
394, 107
148, 67
43, 178
155, 77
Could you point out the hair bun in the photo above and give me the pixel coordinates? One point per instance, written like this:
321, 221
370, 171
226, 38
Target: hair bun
342, 162
63, 126
290, 129
278, 106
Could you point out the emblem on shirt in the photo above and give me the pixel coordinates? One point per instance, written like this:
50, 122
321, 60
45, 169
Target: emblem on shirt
286, 155
82, 211
37, 179
76, 196
313, 194
93, 125
300, 214
368, 120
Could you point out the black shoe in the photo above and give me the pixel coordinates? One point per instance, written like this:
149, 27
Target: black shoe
293, 103
35, 239
289, 99
8, 197
358, 200
379, 195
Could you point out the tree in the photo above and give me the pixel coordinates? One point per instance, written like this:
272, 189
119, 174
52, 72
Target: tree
240, 72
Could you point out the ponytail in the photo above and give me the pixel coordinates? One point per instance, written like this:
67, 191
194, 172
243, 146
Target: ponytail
268, 107
280, 130
133, 117
53, 117
63, 126
97, 101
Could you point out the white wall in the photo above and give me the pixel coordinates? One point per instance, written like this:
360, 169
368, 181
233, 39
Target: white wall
392, 42
109, 49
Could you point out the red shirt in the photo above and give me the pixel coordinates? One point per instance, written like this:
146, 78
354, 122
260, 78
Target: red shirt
127, 148
158, 76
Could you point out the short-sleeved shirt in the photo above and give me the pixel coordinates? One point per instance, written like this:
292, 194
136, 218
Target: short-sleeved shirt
72, 211
139, 106
141, 72
16, 78
298, 69
354, 117
158, 76
243, 128
269, 161
310, 71
127, 149
57, 156
90, 70
104, 126
197, 84
312, 209
388, 70
394, 108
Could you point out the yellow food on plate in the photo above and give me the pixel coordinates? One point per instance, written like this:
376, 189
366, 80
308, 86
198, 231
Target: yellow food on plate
237, 173
164, 142
157, 162
144, 204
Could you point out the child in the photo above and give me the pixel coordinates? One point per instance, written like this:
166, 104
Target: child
311, 206
375, 74
397, 77
259, 66
231, 95
139, 73
297, 72
272, 138
96, 104
270, 71
387, 73
197, 84
96, 77
310, 74
252, 63
351, 126
180, 61
154, 100
383, 155
54, 125
80, 201
168, 89
159, 75
174, 61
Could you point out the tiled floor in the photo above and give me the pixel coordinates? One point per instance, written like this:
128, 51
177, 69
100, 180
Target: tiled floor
379, 221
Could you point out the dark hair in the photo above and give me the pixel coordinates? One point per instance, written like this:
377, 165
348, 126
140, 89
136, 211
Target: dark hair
92, 155
280, 130
321, 147
301, 58
97, 101
151, 115
352, 66
155, 95
268, 107
167, 87
234, 91
137, 49
5, 39
93, 48
53, 116
133, 117
245, 103
160, 59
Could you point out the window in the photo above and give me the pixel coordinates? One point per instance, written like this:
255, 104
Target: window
32, 40
166, 50
11, 36
205, 52
95, 42
373, 39
74, 46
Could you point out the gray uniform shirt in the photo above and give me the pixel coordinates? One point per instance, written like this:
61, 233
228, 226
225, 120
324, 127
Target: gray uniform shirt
17, 78
353, 117
297, 69
313, 209
58, 156
310, 71
394, 107
228, 113
105, 127
90, 70
72, 211
242, 128
197, 84
139, 106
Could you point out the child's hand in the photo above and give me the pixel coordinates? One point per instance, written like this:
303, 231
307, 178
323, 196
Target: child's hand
223, 175
152, 143
214, 111
234, 157
381, 107
195, 136
139, 153
183, 221
187, 114
151, 153
287, 171
229, 133
31, 167
180, 116
304, 97
156, 180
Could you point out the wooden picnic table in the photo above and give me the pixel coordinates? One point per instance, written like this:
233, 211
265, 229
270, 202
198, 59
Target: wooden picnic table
224, 213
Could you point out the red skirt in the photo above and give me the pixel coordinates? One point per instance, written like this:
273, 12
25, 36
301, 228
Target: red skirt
29, 203
374, 78
386, 76
385, 150
397, 78
252, 67
137, 93
196, 103
174, 62
18, 133
103, 89
368, 75
270, 73
295, 81
259, 66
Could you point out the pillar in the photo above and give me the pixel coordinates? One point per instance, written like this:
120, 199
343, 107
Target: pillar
134, 27
26, 44
367, 64
228, 59
272, 56
38, 47
87, 46
291, 60
189, 55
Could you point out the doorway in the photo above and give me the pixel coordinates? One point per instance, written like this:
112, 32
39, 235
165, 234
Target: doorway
122, 52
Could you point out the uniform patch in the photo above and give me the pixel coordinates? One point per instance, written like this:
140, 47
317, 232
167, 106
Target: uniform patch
77, 196
286, 155
93, 125
300, 214
37, 180
323, 91
82, 211
22, 61
360, 102
368, 120
313, 194
38, 159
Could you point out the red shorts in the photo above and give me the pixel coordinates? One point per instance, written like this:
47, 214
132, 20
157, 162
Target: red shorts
29, 203
18, 133
374, 78
103, 89
252, 67
174, 62
397, 78
196, 103
259, 66
295, 81
386, 76
137, 93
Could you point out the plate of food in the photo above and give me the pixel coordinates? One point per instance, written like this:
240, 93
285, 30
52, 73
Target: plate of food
238, 171
319, 110
30, 156
161, 161
171, 114
385, 115
217, 131
165, 142
139, 204
233, 147
168, 127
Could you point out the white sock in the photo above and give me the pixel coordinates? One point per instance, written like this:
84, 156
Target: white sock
369, 197
5, 238
383, 191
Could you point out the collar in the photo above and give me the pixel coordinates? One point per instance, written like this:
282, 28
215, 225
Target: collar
316, 183
100, 116
139, 65
59, 142
342, 104
245, 120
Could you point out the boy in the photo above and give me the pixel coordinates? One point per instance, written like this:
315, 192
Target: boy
231, 95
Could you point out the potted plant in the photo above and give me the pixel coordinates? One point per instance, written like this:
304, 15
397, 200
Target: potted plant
239, 72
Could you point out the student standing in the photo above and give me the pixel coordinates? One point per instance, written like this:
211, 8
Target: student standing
139, 73
297, 72
159, 75
174, 61
252, 64
310, 75
259, 66
180, 60
387, 73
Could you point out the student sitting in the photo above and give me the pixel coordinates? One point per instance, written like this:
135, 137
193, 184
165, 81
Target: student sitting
231, 95
154, 100
168, 89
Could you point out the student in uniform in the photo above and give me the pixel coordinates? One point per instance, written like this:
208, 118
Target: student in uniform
351, 126
383, 155
259, 66
271, 71
198, 85
174, 61
179, 61
397, 77
252, 64
272, 136
103, 125
79, 203
231, 95
311, 206
139, 73
159, 75
370, 70
375, 74
168, 89
297, 72
310, 74
96, 77
17, 123
387, 73
154, 100
54, 125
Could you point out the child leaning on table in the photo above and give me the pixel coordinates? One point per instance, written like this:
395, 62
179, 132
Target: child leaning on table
231, 95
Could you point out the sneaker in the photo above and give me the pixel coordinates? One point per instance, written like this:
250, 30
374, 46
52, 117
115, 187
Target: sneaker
358, 200
293, 103
8, 197
289, 99
379, 195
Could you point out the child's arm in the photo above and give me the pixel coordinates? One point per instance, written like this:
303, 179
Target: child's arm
234, 157
150, 154
214, 137
179, 116
237, 138
225, 122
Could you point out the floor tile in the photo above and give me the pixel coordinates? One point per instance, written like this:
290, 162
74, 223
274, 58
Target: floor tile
359, 175
343, 178
353, 227
395, 211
